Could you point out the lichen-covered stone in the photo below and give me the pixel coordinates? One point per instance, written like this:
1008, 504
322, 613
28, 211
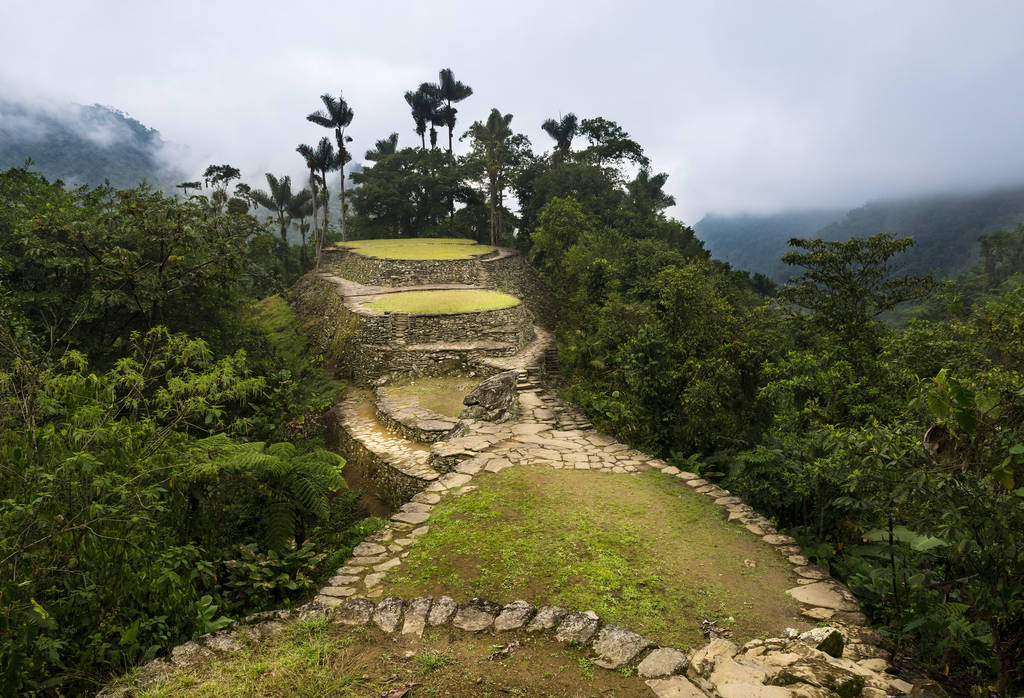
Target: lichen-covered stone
664, 661
546, 619
442, 611
513, 616
617, 647
828, 640
388, 615
476, 615
355, 611
577, 628
494, 399
416, 616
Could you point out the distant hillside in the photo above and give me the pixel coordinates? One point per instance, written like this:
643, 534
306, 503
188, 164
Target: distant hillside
756, 243
945, 230
83, 145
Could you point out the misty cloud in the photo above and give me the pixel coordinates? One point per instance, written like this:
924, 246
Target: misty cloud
749, 106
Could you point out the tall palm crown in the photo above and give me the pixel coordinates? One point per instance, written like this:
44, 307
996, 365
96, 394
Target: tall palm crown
563, 132
450, 90
493, 137
425, 107
337, 115
277, 200
385, 146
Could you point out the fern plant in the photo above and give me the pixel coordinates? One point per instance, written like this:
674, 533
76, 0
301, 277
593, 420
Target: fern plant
293, 489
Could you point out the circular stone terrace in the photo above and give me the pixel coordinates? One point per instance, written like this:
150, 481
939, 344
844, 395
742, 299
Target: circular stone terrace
419, 248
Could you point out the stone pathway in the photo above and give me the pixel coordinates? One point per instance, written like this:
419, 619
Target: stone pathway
539, 436
841, 659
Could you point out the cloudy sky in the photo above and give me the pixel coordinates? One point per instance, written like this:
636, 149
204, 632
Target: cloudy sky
749, 105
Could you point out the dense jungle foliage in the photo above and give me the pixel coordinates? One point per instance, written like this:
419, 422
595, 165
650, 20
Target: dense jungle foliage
162, 467
894, 454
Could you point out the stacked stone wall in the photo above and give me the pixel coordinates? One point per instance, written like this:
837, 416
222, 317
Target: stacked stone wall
514, 276
462, 327
394, 486
370, 271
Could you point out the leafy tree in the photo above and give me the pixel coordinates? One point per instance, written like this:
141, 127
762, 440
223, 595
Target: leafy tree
310, 156
647, 194
337, 115
847, 285
185, 186
610, 143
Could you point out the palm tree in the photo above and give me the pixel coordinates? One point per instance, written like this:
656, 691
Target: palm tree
301, 206
563, 132
310, 156
278, 199
646, 192
337, 115
425, 107
449, 90
385, 146
492, 138
326, 161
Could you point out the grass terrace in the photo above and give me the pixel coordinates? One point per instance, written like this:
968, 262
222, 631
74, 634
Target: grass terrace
419, 248
441, 302
441, 394
641, 551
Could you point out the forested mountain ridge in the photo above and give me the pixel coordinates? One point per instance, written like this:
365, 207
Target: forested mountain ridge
83, 145
945, 229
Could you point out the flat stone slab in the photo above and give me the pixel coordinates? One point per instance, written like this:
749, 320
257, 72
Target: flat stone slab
513, 616
577, 628
617, 647
416, 616
368, 549
476, 615
675, 687
388, 615
442, 611
824, 594
547, 618
663, 662
355, 612
411, 517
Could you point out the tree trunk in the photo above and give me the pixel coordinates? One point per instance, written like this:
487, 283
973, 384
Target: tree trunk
340, 135
494, 209
316, 226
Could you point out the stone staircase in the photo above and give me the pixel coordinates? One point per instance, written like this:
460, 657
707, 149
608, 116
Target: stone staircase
399, 327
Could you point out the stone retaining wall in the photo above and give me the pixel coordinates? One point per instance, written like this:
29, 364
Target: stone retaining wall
511, 274
461, 327
405, 417
402, 272
396, 483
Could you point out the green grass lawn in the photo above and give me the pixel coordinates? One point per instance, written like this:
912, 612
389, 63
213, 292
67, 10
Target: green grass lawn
442, 302
313, 658
642, 551
442, 394
419, 248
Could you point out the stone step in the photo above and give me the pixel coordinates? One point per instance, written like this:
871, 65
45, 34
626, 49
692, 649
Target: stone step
409, 460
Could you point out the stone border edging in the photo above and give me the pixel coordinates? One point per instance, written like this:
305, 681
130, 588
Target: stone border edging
809, 661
